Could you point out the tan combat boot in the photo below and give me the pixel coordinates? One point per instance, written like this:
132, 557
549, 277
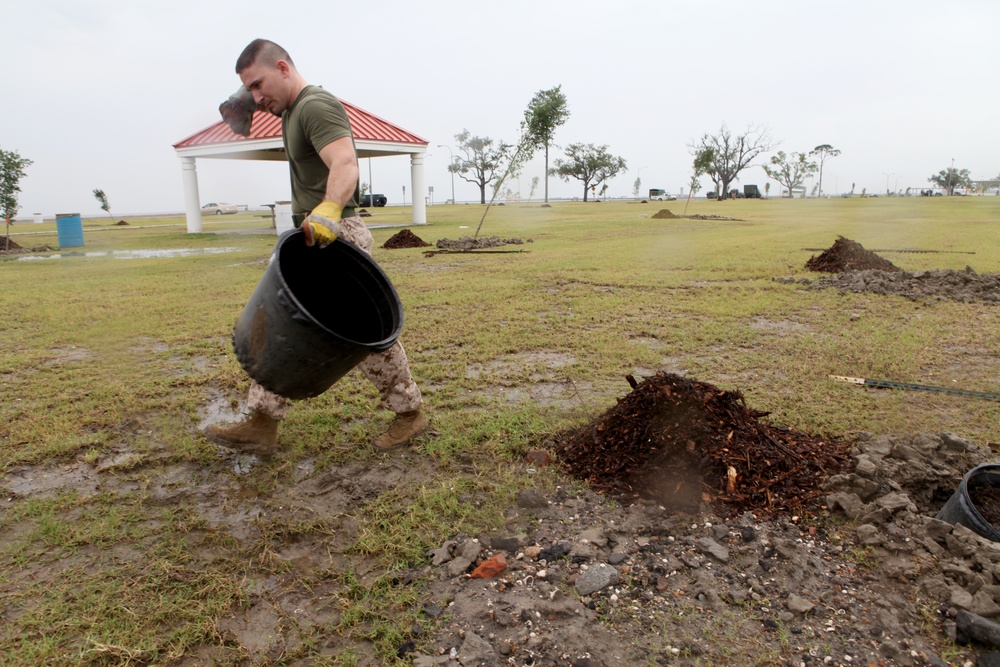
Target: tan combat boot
257, 433
405, 427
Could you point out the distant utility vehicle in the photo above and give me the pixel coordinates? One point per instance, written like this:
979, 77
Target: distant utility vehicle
656, 194
374, 200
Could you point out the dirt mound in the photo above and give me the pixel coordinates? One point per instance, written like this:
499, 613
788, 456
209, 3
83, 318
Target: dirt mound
681, 442
8, 244
469, 243
663, 213
121, 223
848, 255
405, 239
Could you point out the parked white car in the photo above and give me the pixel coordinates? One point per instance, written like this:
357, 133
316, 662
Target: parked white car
219, 209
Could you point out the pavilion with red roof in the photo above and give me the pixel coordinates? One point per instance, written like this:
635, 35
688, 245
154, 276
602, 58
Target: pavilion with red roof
373, 137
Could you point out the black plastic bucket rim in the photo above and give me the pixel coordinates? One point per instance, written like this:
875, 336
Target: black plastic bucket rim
960, 510
297, 352
375, 346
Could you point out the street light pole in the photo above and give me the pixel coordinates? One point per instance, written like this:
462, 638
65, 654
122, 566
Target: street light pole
452, 173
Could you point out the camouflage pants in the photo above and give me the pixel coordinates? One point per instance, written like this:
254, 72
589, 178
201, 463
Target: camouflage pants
389, 371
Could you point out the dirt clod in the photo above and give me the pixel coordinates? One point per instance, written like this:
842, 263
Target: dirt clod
683, 442
848, 255
405, 239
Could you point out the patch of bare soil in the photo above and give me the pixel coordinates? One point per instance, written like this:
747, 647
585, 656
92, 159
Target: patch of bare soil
469, 243
667, 214
966, 286
866, 576
9, 247
712, 217
858, 572
848, 255
405, 239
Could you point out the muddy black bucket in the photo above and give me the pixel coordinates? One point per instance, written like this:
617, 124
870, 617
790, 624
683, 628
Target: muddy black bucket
315, 314
960, 509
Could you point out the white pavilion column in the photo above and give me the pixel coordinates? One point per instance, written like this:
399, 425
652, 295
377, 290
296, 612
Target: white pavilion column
192, 208
418, 185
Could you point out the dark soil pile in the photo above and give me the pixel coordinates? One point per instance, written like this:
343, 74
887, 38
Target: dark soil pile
405, 239
8, 246
682, 442
121, 223
469, 243
663, 213
848, 255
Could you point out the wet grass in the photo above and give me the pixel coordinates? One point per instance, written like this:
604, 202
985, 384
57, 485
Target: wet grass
128, 539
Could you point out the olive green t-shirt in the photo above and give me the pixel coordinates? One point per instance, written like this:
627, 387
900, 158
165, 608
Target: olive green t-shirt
315, 119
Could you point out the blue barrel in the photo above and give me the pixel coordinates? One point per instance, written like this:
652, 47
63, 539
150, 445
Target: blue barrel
315, 314
69, 226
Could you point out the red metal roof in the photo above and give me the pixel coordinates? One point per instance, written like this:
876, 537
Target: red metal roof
366, 126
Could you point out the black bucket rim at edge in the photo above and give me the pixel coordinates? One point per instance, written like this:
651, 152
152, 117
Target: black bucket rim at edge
378, 346
977, 522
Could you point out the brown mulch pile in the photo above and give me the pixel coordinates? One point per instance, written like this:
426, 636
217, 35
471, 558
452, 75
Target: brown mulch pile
663, 213
848, 255
682, 442
405, 239
121, 223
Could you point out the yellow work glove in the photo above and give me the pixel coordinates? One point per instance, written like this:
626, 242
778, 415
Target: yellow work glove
322, 226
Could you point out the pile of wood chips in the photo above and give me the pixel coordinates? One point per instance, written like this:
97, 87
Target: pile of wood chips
682, 442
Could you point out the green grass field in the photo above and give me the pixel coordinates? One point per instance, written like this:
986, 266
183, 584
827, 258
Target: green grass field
113, 356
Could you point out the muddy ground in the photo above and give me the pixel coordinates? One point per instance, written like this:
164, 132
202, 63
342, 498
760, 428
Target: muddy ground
815, 551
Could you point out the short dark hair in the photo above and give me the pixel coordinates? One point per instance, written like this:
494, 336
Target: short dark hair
264, 51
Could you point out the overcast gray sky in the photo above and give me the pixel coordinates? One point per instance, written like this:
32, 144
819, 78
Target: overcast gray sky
97, 91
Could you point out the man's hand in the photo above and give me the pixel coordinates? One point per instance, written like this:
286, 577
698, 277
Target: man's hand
238, 110
322, 226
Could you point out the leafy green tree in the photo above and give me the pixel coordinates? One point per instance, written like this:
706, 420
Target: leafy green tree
103, 199
824, 152
952, 178
791, 171
589, 164
546, 111
723, 156
12, 167
483, 162
636, 187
